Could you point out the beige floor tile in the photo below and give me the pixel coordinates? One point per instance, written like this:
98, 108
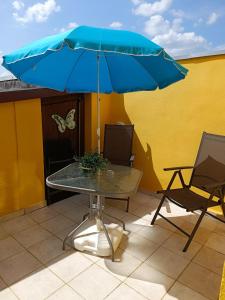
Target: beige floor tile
207, 222
167, 262
133, 205
31, 236
16, 267
146, 200
3, 233
80, 199
202, 234
57, 224
201, 280
210, 259
155, 233
122, 268
63, 233
47, 249
18, 224
2, 285
176, 244
118, 213
64, 206
220, 228
138, 246
144, 213
151, 283
134, 223
94, 283
66, 293
38, 286
181, 292
43, 214
9, 247
164, 224
69, 265
7, 294
76, 214
216, 242
120, 204
124, 292
89, 255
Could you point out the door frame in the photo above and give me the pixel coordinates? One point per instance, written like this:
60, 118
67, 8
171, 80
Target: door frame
81, 129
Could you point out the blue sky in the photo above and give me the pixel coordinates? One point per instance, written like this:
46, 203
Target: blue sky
183, 28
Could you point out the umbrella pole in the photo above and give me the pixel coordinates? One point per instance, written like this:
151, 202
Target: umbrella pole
98, 107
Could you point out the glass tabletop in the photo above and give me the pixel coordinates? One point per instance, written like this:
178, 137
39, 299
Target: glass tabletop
116, 181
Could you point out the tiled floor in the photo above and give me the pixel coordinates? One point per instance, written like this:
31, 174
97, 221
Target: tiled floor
152, 265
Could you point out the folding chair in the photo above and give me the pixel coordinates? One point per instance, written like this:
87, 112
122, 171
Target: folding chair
117, 148
208, 175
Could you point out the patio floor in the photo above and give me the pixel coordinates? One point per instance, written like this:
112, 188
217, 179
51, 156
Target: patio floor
33, 265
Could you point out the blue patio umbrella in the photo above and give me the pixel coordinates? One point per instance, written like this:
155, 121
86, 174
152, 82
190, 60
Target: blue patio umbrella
87, 59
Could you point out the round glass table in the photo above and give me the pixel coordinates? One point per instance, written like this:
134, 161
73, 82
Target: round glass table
115, 182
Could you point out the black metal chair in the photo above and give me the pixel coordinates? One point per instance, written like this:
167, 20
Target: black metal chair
208, 175
117, 148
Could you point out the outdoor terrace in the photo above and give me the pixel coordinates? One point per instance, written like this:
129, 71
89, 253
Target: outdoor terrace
152, 264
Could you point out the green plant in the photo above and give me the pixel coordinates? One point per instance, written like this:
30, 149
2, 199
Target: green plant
93, 162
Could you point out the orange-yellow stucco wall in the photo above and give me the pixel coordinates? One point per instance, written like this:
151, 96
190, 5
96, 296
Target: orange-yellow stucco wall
21, 159
169, 122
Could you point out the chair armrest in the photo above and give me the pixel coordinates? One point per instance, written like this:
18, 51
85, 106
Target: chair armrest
178, 168
214, 185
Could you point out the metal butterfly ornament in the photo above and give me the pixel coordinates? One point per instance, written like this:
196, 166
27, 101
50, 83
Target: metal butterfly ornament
67, 123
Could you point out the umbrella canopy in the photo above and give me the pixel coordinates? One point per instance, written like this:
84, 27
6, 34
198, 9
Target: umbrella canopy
125, 61
88, 59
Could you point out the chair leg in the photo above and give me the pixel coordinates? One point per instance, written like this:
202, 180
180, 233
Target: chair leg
223, 207
128, 204
158, 209
194, 230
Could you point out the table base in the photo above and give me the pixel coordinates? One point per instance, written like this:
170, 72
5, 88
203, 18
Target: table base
96, 211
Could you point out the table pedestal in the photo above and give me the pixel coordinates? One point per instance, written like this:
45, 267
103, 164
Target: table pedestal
100, 239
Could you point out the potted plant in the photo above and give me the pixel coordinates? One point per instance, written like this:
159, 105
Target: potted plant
92, 162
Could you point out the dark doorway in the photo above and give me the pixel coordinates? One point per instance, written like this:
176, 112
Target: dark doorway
63, 136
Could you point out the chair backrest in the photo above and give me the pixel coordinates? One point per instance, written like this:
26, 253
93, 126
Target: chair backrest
210, 162
118, 141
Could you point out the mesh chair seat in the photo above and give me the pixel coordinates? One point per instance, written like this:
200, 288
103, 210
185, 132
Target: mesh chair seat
189, 199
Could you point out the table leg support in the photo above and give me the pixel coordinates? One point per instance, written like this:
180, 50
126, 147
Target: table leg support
108, 239
117, 219
73, 232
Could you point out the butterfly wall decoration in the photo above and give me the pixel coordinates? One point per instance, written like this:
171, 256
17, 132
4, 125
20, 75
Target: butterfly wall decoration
67, 123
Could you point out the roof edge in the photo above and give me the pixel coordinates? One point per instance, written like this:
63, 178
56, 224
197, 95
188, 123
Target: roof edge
200, 55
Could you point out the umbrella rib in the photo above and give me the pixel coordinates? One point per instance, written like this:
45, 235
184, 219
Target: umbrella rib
74, 66
110, 77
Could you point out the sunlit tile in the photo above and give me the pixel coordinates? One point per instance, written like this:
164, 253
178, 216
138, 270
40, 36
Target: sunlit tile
151, 283
94, 283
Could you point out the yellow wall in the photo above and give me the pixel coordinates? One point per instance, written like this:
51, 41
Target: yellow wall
169, 122
21, 159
